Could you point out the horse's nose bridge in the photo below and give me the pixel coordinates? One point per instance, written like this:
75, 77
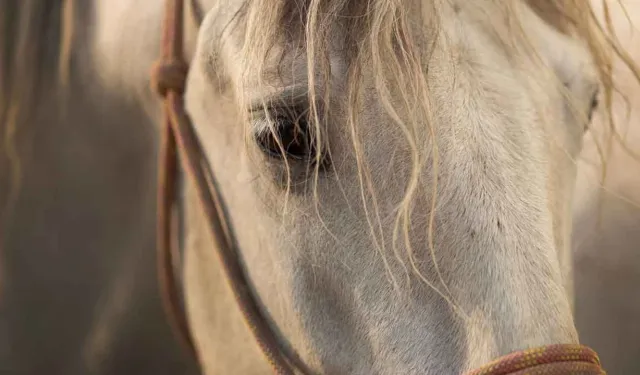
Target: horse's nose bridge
494, 243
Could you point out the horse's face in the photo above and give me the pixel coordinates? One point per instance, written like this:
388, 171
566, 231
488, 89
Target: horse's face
360, 269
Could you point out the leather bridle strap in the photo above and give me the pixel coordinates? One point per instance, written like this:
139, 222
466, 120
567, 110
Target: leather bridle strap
179, 139
561, 359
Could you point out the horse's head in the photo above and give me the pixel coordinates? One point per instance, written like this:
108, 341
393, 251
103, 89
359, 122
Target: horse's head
399, 178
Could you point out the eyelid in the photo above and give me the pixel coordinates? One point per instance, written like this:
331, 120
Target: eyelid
287, 97
263, 120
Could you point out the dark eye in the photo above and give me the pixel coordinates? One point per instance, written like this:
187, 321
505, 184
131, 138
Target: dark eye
287, 137
593, 106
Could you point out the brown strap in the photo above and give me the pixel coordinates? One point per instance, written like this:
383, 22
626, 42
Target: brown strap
178, 136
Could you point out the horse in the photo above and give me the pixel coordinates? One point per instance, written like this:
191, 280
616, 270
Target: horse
399, 176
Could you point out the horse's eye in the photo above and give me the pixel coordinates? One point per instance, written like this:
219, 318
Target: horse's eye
593, 106
287, 137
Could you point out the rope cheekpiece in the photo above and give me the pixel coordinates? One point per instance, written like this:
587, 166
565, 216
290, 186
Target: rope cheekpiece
171, 75
561, 359
179, 139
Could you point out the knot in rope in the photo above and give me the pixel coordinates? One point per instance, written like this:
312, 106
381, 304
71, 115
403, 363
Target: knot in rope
169, 75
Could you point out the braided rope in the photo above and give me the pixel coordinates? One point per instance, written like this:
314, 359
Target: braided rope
560, 359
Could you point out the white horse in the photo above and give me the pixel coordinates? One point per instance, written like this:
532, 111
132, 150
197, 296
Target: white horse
399, 175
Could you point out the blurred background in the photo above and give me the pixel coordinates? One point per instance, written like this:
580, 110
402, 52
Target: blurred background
78, 283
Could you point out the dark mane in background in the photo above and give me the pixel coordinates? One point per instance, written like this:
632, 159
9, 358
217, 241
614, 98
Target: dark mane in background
29, 44
31, 40
30, 32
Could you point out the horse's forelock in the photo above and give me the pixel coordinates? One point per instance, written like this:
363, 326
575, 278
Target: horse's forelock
378, 33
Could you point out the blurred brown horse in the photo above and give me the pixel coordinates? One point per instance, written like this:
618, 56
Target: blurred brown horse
77, 186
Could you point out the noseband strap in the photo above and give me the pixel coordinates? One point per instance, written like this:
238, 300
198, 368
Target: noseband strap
562, 359
179, 139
